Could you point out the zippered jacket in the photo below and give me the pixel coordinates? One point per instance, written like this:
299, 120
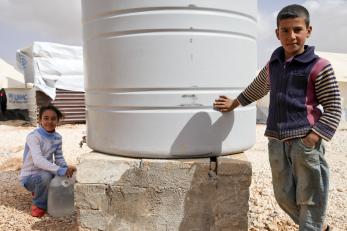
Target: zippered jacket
304, 95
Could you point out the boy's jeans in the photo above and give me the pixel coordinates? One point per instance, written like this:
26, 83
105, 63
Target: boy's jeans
38, 184
300, 177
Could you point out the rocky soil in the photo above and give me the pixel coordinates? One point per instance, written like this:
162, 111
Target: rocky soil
264, 212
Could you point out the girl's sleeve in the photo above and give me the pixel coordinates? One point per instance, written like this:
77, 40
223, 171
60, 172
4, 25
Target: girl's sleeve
39, 161
257, 89
58, 155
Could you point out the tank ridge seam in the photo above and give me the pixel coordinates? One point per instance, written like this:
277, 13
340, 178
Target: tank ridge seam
174, 30
116, 13
161, 90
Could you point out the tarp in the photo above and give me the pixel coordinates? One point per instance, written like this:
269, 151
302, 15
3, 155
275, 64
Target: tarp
19, 95
50, 65
10, 77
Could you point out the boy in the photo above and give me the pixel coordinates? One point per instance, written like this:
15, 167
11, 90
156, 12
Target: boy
298, 81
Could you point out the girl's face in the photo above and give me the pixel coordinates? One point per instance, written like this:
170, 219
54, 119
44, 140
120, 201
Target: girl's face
49, 120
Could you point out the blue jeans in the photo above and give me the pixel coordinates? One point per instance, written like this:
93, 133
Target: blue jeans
300, 177
38, 184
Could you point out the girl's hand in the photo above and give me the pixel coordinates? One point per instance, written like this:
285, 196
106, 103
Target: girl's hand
70, 170
224, 104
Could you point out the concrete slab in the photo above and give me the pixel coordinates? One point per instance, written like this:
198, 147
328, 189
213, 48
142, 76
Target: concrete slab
117, 193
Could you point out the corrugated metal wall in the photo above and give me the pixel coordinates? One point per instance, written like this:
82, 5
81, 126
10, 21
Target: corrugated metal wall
71, 103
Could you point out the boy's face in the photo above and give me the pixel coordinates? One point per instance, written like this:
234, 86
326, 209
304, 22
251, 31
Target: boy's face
292, 33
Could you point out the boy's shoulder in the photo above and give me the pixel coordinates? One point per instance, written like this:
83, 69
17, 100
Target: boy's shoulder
320, 64
322, 61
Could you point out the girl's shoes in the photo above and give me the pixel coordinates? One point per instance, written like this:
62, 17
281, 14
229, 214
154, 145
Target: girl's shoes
37, 212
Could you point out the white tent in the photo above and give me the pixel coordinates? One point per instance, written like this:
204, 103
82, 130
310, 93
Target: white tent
10, 77
56, 71
339, 64
51, 66
20, 96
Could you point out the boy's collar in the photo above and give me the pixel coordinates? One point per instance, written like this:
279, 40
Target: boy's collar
305, 57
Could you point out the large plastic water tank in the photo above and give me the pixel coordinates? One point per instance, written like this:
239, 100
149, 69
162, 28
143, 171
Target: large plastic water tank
154, 68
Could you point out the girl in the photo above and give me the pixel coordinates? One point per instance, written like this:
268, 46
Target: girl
43, 158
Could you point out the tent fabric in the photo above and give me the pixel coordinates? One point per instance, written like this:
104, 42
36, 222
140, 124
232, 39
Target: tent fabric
10, 77
50, 66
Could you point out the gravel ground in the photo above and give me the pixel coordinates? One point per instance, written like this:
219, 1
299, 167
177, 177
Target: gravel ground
15, 201
265, 214
264, 211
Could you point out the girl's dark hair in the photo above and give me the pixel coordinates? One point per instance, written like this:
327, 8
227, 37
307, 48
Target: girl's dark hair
294, 11
53, 108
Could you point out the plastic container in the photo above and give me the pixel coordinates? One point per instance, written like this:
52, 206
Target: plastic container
154, 68
61, 196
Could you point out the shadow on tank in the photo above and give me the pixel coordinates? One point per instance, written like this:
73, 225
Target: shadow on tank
207, 137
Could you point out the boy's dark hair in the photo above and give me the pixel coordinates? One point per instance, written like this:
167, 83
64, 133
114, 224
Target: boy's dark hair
53, 108
294, 11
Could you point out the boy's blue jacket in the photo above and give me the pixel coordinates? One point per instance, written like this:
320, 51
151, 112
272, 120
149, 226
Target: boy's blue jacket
297, 87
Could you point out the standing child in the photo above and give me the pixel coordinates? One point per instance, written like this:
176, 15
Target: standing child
299, 81
43, 158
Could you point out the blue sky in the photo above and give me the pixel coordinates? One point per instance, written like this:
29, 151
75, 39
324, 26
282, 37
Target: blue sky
25, 21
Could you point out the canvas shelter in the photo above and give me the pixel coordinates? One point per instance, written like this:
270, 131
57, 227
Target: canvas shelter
56, 72
339, 64
19, 95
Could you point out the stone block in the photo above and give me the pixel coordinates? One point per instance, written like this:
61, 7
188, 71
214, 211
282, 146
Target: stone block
151, 194
234, 165
94, 219
92, 196
97, 168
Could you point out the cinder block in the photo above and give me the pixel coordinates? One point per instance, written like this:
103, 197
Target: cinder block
94, 219
151, 194
92, 196
234, 165
97, 168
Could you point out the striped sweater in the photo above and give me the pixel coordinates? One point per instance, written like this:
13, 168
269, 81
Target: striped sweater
43, 152
298, 89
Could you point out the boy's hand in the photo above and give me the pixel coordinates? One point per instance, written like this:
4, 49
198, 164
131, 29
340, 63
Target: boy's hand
70, 170
224, 104
311, 139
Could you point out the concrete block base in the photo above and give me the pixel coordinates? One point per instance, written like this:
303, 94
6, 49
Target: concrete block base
117, 193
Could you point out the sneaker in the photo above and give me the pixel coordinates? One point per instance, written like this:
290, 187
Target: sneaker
37, 212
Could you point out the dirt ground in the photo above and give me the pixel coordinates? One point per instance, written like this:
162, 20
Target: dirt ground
264, 212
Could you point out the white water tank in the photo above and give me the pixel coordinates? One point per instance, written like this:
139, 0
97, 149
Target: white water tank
154, 68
